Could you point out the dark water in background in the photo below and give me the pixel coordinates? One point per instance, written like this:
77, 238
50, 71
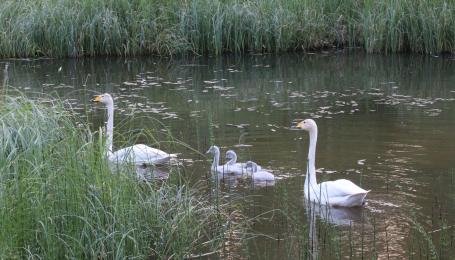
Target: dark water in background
385, 122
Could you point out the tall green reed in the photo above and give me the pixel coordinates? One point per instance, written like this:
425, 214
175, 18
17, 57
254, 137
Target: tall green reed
137, 27
59, 198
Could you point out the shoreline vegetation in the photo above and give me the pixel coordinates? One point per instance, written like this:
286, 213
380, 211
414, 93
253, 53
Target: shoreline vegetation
59, 199
67, 28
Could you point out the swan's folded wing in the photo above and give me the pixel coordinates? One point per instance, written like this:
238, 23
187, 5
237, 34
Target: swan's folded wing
140, 154
263, 176
340, 187
236, 168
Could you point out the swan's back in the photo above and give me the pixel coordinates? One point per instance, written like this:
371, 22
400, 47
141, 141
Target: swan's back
237, 168
343, 193
222, 169
262, 176
141, 154
354, 200
341, 187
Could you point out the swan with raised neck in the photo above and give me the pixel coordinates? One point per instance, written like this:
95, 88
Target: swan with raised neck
215, 150
137, 154
340, 192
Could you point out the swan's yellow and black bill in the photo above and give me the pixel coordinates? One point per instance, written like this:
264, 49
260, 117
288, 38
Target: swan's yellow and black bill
299, 125
97, 98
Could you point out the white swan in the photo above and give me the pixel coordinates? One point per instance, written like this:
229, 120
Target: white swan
258, 174
341, 192
139, 154
234, 166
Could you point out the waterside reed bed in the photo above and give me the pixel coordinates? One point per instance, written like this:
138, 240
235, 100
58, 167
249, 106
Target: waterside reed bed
67, 28
58, 198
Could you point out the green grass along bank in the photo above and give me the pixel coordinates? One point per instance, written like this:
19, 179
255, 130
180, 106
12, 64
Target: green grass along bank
67, 28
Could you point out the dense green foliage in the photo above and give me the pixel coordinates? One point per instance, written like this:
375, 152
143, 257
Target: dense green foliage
136, 27
59, 199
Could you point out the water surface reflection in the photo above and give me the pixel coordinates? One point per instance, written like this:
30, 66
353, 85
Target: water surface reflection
385, 122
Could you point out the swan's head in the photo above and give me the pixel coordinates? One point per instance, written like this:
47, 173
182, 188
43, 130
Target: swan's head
104, 98
307, 125
252, 166
231, 155
213, 149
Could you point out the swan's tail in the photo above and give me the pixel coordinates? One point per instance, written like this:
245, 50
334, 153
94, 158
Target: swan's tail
171, 159
355, 200
168, 159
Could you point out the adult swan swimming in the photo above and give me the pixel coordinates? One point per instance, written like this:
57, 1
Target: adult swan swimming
341, 192
138, 154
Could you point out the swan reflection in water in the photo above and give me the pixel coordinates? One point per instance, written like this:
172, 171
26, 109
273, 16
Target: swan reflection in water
262, 184
142, 172
339, 216
148, 174
232, 181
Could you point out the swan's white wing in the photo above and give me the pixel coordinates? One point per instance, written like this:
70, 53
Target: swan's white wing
340, 188
263, 176
236, 168
228, 169
140, 154
223, 169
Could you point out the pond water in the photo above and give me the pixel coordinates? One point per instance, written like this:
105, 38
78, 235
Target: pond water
385, 122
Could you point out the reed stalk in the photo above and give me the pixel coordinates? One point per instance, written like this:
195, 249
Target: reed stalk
68, 28
59, 198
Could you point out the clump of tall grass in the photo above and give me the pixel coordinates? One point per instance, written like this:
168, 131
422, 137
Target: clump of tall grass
58, 198
436, 243
138, 27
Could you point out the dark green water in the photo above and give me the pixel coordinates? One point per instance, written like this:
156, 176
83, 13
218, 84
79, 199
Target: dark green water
385, 122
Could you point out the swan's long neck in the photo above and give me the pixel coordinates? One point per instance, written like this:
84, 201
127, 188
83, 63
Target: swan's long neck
216, 159
110, 126
254, 167
310, 180
233, 160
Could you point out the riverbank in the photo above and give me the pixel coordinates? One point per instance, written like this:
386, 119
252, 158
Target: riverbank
134, 27
59, 199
